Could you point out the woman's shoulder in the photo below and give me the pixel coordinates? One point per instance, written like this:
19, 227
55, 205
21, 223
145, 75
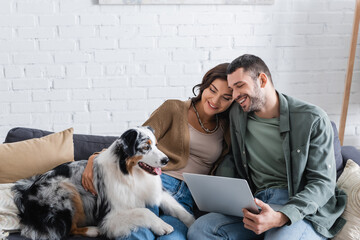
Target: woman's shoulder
171, 109
175, 104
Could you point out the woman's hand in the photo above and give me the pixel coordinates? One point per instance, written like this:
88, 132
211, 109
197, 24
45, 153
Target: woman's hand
87, 176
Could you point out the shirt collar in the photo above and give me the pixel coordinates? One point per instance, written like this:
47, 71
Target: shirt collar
284, 113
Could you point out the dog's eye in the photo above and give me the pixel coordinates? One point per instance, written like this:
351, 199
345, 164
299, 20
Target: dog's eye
147, 147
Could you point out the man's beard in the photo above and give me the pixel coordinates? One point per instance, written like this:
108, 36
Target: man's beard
257, 100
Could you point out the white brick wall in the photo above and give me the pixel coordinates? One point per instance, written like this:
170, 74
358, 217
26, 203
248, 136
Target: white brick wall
104, 68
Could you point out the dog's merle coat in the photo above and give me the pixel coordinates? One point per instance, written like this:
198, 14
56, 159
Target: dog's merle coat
126, 178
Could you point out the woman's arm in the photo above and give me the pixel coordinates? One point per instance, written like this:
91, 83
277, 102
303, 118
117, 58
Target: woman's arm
161, 119
87, 176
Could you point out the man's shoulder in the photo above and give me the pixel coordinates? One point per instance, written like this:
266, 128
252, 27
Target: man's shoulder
235, 108
305, 119
300, 107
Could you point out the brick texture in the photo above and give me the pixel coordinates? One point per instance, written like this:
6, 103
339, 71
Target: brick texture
104, 68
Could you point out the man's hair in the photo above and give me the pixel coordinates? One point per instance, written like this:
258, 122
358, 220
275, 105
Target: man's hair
251, 64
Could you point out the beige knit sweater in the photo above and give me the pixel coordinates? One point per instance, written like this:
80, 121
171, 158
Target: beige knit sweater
170, 122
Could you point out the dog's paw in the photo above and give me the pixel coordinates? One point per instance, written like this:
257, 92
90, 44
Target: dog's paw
92, 232
161, 228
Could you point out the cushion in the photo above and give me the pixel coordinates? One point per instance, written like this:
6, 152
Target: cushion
35, 156
350, 152
84, 145
337, 151
349, 182
9, 219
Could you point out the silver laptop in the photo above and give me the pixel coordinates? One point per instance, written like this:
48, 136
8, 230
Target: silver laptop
221, 194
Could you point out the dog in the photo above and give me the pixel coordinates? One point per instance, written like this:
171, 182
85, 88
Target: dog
127, 179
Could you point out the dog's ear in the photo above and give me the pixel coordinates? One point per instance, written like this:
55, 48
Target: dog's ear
129, 141
126, 148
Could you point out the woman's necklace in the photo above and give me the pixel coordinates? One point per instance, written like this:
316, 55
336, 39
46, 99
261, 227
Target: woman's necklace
201, 124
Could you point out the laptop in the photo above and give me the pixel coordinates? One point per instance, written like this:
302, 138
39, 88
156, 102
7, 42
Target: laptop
222, 194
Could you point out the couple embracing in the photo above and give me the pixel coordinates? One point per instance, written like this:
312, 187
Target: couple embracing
282, 146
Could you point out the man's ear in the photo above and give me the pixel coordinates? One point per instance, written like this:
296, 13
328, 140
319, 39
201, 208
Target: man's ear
263, 79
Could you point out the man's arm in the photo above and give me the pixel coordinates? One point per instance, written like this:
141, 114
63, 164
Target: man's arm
319, 175
227, 167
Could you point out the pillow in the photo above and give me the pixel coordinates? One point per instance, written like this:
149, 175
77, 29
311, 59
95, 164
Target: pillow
9, 219
349, 181
35, 156
84, 145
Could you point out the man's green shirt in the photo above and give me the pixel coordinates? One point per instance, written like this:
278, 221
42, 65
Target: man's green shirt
266, 158
307, 143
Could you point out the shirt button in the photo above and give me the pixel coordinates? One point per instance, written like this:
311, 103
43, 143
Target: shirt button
244, 152
244, 165
329, 166
298, 151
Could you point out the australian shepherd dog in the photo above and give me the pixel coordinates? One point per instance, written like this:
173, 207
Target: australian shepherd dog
126, 177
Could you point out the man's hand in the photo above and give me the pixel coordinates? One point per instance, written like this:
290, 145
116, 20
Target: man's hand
265, 220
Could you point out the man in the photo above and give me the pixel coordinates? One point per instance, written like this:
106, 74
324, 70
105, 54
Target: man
284, 148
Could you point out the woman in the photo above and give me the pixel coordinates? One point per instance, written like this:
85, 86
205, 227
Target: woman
194, 135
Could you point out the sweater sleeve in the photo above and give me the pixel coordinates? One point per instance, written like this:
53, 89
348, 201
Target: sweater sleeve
170, 124
160, 120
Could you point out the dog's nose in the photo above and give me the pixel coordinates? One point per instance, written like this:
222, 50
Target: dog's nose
164, 161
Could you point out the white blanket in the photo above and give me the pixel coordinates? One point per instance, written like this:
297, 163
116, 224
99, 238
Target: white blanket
8, 210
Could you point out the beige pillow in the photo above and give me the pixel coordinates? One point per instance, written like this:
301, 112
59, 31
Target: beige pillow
349, 181
35, 156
